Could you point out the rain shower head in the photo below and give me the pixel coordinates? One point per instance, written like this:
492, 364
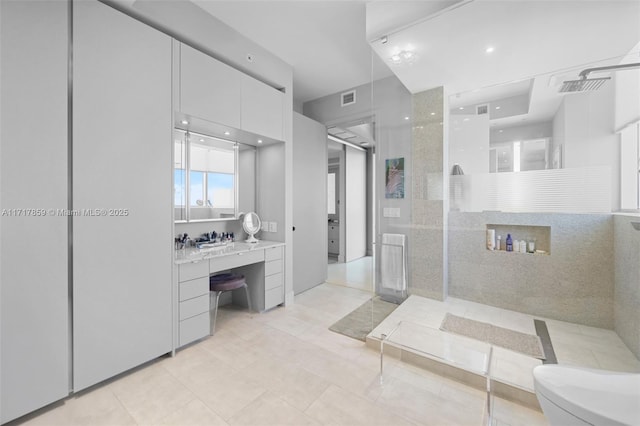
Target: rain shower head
584, 84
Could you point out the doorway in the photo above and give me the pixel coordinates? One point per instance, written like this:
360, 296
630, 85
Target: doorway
350, 204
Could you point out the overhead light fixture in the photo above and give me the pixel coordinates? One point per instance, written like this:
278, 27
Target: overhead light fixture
490, 49
433, 113
184, 122
406, 117
405, 56
259, 140
497, 107
227, 133
461, 108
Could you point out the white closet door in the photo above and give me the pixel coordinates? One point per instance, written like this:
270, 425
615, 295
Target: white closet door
34, 336
122, 136
309, 203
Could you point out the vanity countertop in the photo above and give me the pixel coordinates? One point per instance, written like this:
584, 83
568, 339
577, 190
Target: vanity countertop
195, 254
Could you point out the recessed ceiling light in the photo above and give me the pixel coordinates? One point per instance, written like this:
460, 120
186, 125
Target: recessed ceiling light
489, 49
499, 131
497, 107
201, 140
461, 108
406, 118
184, 122
466, 119
433, 113
227, 133
259, 140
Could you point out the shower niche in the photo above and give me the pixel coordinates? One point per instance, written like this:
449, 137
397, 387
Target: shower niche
539, 235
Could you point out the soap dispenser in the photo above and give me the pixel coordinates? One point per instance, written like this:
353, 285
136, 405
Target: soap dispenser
509, 243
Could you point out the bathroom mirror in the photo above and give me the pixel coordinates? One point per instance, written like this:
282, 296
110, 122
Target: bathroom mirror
205, 177
251, 225
562, 148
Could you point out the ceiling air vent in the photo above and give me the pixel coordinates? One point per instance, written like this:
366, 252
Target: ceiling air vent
348, 98
482, 109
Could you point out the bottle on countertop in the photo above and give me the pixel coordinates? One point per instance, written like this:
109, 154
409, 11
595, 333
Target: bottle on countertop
509, 243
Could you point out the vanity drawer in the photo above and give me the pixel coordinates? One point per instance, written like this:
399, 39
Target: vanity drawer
223, 263
273, 297
273, 267
194, 288
190, 271
273, 281
194, 328
272, 253
192, 307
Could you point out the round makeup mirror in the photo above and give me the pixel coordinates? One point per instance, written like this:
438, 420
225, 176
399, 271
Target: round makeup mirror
251, 225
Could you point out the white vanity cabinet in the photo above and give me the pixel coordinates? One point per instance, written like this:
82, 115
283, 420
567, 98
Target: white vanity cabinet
193, 306
216, 92
209, 89
262, 108
273, 277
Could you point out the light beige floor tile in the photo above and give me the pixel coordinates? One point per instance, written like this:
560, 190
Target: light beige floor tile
195, 365
423, 406
97, 407
228, 395
506, 413
151, 394
269, 409
195, 413
289, 324
617, 359
337, 406
232, 350
343, 373
513, 368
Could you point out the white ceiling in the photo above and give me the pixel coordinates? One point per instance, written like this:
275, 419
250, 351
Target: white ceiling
326, 41
529, 38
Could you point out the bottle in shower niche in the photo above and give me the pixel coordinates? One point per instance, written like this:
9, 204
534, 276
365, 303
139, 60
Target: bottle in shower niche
491, 238
509, 243
498, 242
523, 246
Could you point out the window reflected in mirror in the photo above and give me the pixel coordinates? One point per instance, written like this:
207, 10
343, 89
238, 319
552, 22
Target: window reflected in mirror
530, 146
206, 175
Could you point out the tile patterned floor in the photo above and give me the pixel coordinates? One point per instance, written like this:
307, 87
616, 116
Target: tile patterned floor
283, 367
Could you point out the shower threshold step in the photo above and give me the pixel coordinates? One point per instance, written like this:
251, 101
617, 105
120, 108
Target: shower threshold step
465, 360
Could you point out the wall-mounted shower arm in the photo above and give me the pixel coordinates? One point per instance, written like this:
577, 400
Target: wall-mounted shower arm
583, 75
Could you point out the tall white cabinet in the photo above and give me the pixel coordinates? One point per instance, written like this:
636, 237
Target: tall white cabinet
122, 128
34, 307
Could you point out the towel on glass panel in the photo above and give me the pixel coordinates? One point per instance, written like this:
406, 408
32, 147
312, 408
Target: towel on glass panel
393, 262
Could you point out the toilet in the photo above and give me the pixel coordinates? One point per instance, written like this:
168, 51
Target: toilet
581, 396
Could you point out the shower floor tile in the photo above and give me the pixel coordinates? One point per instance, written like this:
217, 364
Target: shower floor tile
573, 344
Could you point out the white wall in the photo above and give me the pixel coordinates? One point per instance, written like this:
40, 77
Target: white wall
356, 203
